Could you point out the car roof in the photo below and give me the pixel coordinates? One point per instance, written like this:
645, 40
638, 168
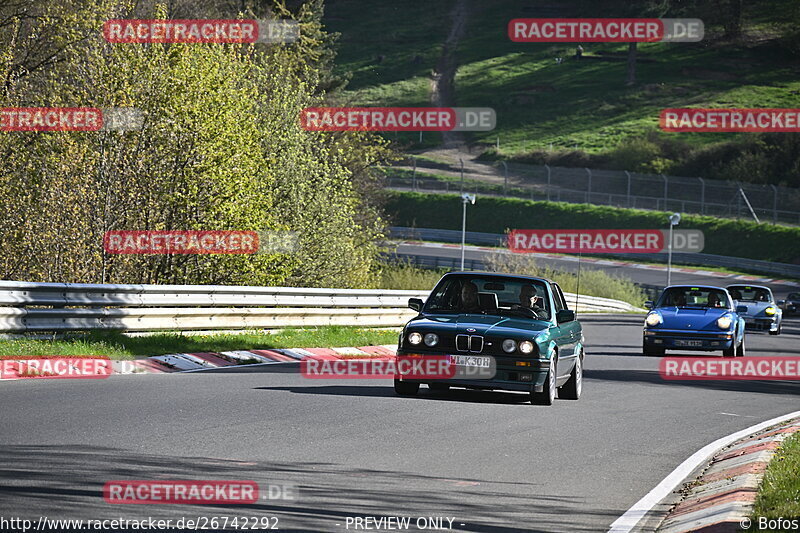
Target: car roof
696, 287
498, 275
748, 285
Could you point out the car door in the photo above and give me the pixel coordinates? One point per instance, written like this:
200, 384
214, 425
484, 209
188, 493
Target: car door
565, 334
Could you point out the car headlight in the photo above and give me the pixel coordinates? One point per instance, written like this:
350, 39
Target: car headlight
509, 345
414, 338
770, 310
526, 347
653, 319
431, 339
724, 322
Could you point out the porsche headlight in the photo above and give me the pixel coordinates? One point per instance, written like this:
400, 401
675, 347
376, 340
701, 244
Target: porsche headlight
770, 310
414, 338
653, 319
509, 345
724, 322
526, 347
431, 339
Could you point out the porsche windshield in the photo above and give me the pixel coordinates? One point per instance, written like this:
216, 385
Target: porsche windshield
750, 294
694, 297
463, 294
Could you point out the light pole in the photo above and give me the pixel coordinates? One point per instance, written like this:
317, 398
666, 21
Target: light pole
674, 220
465, 199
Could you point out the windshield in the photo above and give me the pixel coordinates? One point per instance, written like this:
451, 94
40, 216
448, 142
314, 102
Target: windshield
461, 294
694, 297
750, 294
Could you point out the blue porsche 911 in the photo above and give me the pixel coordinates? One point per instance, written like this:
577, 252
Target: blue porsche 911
694, 318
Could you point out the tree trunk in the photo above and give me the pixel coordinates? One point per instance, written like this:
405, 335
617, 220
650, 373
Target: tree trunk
631, 78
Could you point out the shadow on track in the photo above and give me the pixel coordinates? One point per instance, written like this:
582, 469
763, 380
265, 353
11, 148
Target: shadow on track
64, 482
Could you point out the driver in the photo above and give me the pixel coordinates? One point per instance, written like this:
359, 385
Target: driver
713, 300
469, 298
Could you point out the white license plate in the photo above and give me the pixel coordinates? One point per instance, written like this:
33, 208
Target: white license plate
680, 342
470, 360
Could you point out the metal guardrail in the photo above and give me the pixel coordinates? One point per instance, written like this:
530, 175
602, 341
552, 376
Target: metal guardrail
493, 239
59, 307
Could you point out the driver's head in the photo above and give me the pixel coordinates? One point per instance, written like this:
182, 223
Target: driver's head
469, 294
713, 300
527, 296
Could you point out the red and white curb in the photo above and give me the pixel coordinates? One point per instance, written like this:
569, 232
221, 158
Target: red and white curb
611, 262
722, 497
641, 514
189, 362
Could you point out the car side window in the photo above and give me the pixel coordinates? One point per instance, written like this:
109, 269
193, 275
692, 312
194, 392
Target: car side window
558, 297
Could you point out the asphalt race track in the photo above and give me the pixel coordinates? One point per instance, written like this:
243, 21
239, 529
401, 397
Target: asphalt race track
638, 275
353, 448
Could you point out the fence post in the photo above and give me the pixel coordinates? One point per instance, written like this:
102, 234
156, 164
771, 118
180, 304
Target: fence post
548, 181
462, 175
774, 204
702, 196
589, 192
505, 179
629, 187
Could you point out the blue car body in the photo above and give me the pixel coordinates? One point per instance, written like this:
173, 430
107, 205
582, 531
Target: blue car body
763, 312
694, 325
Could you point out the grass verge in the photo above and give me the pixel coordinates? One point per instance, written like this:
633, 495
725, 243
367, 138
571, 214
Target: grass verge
118, 346
779, 494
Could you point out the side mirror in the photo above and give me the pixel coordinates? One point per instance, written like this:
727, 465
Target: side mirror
649, 304
415, 304
781, 302
565, 315
741, 308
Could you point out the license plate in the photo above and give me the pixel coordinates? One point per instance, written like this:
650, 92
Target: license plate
680, 342
470, 360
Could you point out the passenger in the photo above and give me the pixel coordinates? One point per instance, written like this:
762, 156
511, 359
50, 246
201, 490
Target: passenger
529, 299
469, 298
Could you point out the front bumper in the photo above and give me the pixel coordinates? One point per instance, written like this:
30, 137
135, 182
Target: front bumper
508, 376
762, 323
687, 339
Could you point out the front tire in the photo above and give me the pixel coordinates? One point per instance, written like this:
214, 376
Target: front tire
406, 388
571, 390
548, 394
740, 350
776, 332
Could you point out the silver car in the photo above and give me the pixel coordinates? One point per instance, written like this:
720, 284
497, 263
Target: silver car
762, 311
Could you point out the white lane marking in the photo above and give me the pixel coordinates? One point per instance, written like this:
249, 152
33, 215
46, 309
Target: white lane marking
632, 516
729, 414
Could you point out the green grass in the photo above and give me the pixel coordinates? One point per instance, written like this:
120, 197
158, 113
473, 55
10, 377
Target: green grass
118, 346
734, 238
779, 494
583, 104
